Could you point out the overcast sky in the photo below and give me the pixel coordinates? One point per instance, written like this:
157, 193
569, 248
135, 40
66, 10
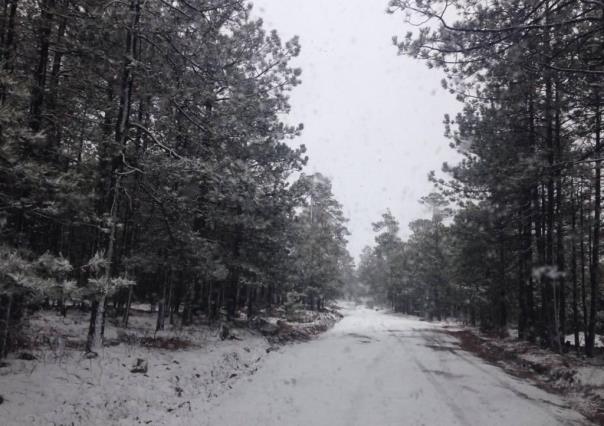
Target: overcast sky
373, 119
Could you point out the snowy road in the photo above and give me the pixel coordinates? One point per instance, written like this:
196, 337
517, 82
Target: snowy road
378, 369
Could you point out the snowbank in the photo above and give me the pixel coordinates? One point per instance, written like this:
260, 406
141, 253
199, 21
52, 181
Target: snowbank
279, 331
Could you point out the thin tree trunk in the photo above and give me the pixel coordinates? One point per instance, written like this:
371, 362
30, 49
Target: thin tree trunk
595, 261
171, 296
127, 308
211, 302
560, 260
250, 302
573, 269
54, 136
583, 264
38, 89
6, 328
161, 307
97, 318
8, 33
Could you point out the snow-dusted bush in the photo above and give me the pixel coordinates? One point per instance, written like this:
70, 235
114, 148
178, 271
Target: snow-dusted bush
24, 281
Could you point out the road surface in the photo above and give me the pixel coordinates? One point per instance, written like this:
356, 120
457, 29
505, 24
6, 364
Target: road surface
379, 369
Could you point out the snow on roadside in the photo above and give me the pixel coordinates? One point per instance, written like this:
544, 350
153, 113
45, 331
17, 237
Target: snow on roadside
577, 379
598, 343
313, 324
61, 386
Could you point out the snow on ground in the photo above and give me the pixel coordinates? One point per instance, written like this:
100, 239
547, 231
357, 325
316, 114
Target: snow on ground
375, 368
598, 343
578, 378
372, 368
62, 387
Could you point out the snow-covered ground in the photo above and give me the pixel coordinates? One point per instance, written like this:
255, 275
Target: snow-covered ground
62, 387
578, 378
372, 368
375, 368
598, 343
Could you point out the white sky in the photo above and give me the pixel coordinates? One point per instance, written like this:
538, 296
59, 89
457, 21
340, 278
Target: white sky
373, 119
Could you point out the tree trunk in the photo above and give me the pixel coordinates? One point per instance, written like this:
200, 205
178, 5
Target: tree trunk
211, 302
127, 308
583, 263
560, 261
8, 36
595, 260
161, 307
39, 85
54, 135
8, 32
250, 301
6, 328
522, 285
97, 317
573, 269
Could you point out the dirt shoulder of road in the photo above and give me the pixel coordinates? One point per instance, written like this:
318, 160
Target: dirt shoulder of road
578, 380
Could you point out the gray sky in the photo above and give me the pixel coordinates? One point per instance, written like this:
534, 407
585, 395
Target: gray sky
373, 119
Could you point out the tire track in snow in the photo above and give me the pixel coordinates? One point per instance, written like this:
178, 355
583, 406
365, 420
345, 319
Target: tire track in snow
432, 379
437, 341
384, 370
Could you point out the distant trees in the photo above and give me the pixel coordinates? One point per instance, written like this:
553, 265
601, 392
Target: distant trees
411, 276
142, 142
381, 268
322, 260
525, 245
